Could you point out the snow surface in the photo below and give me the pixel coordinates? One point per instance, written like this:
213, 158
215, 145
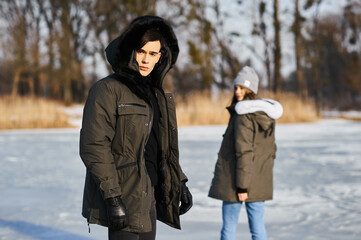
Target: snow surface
316, 189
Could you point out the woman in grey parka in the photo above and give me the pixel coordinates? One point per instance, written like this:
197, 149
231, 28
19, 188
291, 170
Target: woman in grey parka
244, 170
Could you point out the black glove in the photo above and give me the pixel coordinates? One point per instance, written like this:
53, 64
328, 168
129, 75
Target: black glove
117, 213
186, 199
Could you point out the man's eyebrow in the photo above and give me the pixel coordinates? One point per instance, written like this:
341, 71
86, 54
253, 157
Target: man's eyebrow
152, 52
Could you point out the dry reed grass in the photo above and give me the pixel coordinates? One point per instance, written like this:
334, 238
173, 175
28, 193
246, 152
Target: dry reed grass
294, 108
200, 108
31, 112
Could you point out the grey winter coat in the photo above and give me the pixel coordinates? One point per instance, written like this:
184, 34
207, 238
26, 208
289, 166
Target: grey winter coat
116, 125
246, 158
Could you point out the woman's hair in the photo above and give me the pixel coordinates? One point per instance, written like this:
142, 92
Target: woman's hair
150, 35
249, 96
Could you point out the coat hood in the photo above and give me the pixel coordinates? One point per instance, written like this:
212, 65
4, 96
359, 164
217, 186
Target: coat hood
271, 107
264, 110
264, 121
121, 52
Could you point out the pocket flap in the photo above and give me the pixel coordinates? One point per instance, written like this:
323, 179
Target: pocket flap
132, 108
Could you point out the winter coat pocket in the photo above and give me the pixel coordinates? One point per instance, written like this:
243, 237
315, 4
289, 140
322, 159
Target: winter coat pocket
132, 126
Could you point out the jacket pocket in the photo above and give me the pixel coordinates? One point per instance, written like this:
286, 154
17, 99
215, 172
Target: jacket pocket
126, 171
132, 108
132, 124
127, 165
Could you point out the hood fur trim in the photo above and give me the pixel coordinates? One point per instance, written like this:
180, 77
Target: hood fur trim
271, 107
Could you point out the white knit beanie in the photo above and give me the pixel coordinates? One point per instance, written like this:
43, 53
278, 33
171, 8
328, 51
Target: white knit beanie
248, 78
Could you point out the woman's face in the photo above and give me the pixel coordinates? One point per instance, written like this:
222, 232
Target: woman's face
148, 56
240, 92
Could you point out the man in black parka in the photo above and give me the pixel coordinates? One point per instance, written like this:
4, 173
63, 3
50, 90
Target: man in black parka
129, 139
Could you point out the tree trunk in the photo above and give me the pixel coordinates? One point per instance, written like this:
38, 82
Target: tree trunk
16, 80
19, 35
277, 49
36, 60
317, 79
302, 88
66, 57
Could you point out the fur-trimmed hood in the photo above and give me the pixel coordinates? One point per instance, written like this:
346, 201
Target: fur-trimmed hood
263, 109
121, 52
271, 107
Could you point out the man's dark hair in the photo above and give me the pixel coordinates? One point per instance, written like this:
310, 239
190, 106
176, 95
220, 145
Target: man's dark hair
150, 35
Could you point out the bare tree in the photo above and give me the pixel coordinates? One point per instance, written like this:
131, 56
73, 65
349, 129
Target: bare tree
36, 83
296, 29
229, 65
200, 45
277, 48
50, 16
351, 29
15, 14
260, 30
314, 53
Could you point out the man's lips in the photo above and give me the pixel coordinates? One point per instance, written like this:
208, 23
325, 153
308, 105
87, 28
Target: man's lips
143, 68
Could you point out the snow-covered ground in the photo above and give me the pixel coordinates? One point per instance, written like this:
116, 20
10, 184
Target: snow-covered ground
317, 188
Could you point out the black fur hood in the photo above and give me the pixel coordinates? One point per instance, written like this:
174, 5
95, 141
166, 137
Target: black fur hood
121, 53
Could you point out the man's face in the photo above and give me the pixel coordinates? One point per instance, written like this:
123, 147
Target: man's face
148, 56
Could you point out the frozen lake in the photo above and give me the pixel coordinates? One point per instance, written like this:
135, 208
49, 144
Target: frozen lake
317, 188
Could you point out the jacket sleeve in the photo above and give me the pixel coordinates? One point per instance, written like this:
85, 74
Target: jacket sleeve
96, 135
244, 136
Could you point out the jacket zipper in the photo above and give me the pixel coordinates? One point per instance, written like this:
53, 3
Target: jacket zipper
169, 130
145, 191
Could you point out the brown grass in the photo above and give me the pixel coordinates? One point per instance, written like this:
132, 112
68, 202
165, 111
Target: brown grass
294, 109
199, 108
31, 112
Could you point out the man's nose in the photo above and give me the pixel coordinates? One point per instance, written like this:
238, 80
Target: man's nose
145, 58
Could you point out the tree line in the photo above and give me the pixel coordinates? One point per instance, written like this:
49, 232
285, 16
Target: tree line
53, 48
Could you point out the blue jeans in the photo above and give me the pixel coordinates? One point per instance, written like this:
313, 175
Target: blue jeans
255, 213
